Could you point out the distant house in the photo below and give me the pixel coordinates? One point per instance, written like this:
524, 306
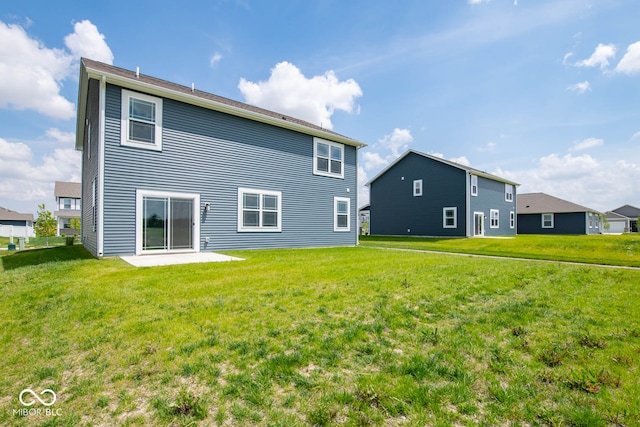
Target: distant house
68, 206
363, 219
168, 168
623, 219
16, 224
540, 213
423, 195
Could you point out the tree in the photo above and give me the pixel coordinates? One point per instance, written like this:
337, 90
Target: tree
75, 223
46, 225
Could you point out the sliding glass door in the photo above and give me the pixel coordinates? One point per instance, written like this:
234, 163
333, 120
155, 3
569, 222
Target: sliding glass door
166, 222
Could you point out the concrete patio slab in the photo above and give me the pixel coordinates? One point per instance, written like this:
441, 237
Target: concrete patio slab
174, 259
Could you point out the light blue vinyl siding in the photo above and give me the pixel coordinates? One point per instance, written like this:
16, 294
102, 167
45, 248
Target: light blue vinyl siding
90, 160
491, 195
212, 154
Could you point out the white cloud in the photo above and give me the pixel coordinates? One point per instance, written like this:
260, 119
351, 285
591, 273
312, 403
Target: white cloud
215, 58
396, 141
630, 62
580, 87
373, 161
477, 1
60, 136
32, 74
25, 181
314, 100
12, 151
600, 57
601, 185
86, 41
587, 143
491, 146
462, 160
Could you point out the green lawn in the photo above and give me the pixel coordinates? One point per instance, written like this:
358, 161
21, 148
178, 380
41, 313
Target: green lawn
597, 249
340, 336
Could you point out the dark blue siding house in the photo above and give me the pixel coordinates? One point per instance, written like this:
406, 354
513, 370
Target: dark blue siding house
167, 168
540, 213
423, 195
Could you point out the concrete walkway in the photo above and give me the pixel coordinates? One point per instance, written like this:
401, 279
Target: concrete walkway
173, 259
427, 251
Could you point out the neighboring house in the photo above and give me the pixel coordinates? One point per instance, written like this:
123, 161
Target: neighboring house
423, 195
364, 219
540, 213
68, 197
167, 168
14, 224
623, 219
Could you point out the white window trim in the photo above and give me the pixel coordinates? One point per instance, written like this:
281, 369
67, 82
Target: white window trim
474, 185
124, 121
542, 219
259, 229
335, 214
512, 220
497, 218
455, 217
417, 189
508, 193
141, 194
315, 158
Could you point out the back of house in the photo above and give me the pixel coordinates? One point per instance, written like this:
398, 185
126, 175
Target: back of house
423, 195
167, 168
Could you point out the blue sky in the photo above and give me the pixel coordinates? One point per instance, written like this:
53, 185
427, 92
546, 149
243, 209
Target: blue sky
545, 92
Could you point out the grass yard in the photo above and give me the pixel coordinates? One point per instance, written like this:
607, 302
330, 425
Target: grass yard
341, 336
606, 249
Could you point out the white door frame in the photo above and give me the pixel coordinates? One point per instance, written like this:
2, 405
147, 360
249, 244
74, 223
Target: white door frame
481, 216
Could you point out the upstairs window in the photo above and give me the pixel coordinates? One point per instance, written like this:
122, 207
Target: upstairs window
474, 185
141, 121
328, 158
417, 188
508, 193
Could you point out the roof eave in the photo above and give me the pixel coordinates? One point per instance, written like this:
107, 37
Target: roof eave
87, 73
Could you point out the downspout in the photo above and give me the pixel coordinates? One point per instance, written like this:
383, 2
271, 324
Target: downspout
100, 198
468, 218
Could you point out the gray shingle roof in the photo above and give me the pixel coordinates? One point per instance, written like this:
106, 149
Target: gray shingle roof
628, 211
445, 161
536, 203
67, 189
139, 81
9, 215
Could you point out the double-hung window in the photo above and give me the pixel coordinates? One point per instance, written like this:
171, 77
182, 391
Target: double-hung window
141, 122
328, 158
417, 188
494, 216
341, 214
547, 220
512, 219
449, 217
259, 210
474, 185
508, 193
